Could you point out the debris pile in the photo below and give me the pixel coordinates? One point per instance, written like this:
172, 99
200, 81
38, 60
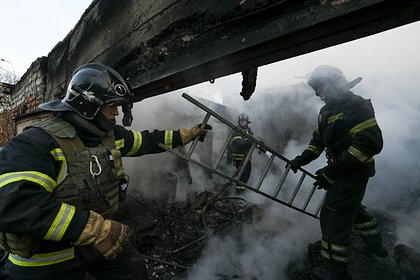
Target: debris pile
172, 238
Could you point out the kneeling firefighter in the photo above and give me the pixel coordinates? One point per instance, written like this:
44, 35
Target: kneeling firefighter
62, 180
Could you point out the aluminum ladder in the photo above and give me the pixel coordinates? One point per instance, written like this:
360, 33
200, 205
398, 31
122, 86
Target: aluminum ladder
306, 202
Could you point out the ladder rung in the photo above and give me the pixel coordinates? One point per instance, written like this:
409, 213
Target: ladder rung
297, 188
194, 144
267, 167
283, 178
235, 178
225, 145
309, 198
245, 160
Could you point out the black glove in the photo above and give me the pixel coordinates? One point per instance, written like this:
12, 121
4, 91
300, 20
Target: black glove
261, 149
294, 164
325, 177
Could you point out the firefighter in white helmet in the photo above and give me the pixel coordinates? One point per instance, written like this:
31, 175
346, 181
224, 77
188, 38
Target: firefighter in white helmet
348, 131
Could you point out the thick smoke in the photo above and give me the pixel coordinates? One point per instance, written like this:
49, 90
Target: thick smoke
163, 177
284, 118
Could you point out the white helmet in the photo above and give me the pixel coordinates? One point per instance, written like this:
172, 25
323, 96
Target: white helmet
330, 75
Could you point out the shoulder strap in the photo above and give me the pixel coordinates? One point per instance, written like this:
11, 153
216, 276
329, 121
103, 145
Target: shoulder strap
64, 133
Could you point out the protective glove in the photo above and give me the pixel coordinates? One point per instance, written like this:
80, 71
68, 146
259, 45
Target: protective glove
295, 164
325, 177
261, 149
187, 135
106, 236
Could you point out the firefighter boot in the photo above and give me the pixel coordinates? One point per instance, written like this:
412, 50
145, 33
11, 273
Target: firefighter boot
333, 271
374, 243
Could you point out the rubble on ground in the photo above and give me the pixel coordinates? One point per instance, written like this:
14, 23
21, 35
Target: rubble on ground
172, 238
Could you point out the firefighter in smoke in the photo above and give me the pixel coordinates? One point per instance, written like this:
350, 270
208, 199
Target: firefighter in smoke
348, 130
62, 180
238, 149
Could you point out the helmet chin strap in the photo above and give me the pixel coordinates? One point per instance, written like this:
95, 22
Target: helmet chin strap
103, 123
83, 124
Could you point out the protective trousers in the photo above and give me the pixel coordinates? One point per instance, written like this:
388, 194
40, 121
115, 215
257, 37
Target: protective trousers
128, 265
245, 175
341, 205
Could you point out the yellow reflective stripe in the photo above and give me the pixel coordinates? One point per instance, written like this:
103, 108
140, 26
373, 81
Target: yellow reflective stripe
169, 135
314, 150
337, 258
335, 118
237, 155
119, 144
368, 232
317, 129
138, 139
58, 154
43, 259
237, 138
361, 126
60, 223
359, 155
32, 176
337, 248
372, 222
331, 181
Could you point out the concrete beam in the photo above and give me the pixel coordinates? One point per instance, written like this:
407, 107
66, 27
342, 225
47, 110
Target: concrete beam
164, 45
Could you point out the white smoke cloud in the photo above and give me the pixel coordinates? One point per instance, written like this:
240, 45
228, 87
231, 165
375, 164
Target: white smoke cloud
390, 80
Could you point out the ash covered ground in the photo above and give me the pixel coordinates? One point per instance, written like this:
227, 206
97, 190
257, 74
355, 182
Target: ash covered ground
173, 238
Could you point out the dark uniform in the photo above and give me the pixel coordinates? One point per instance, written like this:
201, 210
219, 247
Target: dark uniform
36, 200
348, 130
62, 179
238, 149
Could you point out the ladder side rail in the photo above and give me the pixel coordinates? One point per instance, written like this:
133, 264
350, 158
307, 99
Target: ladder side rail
283, 178
225, 145
221, 174
226, 122
194, 144
267, 167
297, 188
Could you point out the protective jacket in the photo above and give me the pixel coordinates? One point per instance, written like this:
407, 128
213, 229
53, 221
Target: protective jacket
52, 174
348, 130
239, 144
